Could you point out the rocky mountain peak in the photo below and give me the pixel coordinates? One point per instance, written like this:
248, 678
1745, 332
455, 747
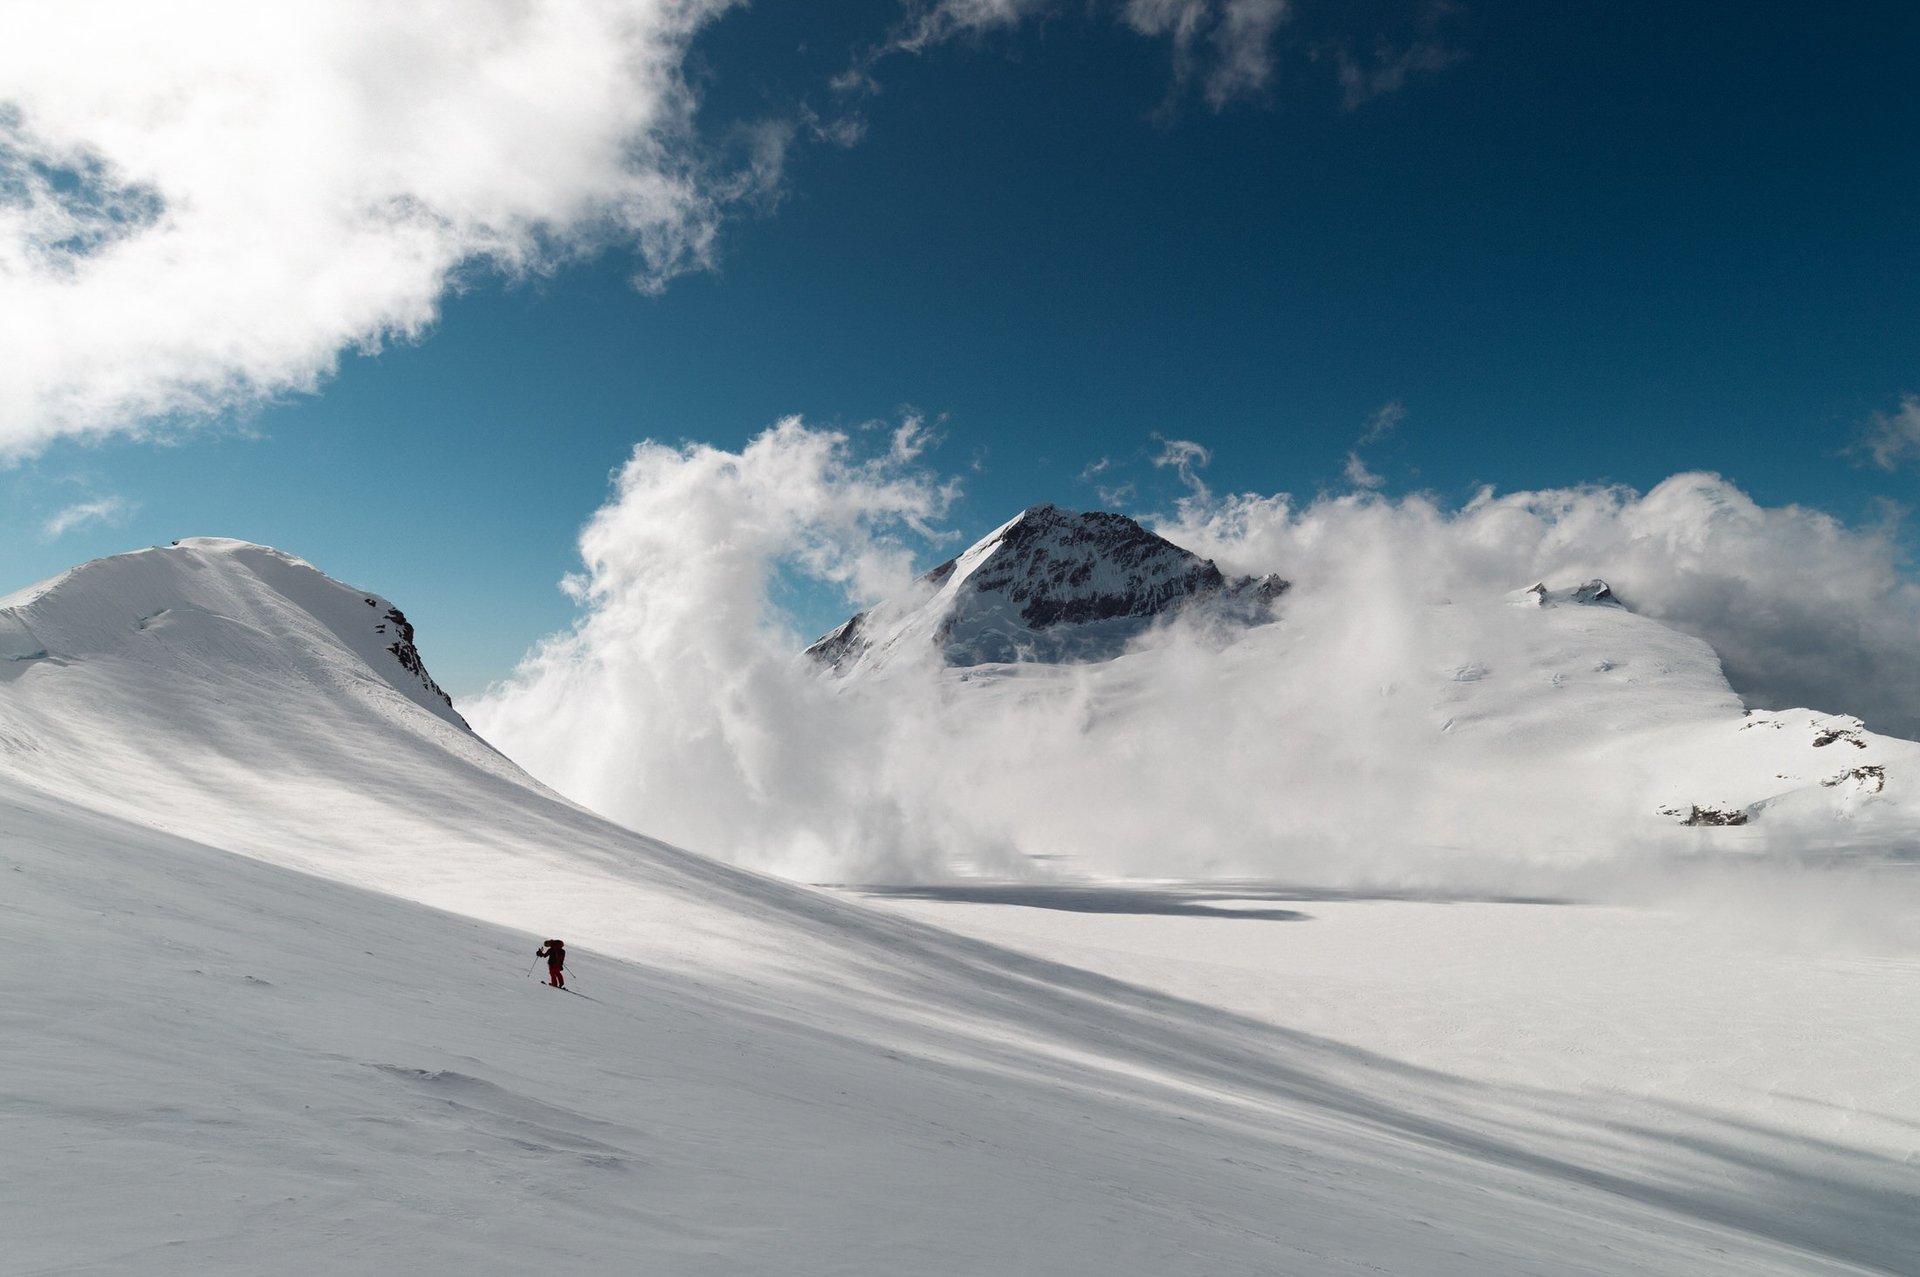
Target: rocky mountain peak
1049, 585
1592, 593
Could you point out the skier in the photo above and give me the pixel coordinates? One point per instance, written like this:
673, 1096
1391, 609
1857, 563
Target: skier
556, 955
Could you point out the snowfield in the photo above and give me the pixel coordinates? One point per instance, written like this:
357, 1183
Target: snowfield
270, 912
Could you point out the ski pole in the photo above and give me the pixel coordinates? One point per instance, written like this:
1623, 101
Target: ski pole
536, 962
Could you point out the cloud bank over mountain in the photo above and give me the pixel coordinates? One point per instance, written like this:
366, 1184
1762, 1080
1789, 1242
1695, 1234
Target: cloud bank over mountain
678, 703
203, 205
1801, 610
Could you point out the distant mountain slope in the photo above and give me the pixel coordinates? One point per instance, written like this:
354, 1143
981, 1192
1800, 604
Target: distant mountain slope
1048, 585
1434, 721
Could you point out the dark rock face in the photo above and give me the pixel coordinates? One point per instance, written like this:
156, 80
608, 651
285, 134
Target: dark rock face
1046, 564
1828, 735
842, 644
1870, 780
1055, 586
1596, 591
1707, 816
1064, 568
396, 625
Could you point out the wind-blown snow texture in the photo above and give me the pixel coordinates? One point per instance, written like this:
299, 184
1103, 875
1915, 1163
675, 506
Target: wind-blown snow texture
270, 910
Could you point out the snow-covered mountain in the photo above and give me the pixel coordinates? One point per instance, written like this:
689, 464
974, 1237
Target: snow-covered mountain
185, 598
1654, 703
1559, 693
1048, 585
270, 910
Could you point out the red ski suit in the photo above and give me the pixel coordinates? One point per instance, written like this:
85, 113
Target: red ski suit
556, 955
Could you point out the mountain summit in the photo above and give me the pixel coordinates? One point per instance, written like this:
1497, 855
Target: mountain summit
1049, 585
211, 603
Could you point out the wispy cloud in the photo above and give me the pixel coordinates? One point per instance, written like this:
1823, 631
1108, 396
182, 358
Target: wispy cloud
1387, 416
1359, 475
112, 510
1226, 45
1188, 459
912, 437
1410, 43
927, 24
1892, 439
1229, 50
1113, 496
1381, 424
203, 204
1388, 68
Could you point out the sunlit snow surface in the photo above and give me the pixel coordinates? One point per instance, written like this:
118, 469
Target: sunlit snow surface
270, 918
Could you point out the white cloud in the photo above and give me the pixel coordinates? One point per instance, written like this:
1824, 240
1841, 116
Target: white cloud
101, 510
1893, 438
677, 704
203, 203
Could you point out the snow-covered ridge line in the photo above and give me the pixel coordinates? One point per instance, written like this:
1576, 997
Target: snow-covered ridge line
184, 594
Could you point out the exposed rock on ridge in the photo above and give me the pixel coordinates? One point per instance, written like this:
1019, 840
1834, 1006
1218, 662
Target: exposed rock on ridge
1050, 585
404, 651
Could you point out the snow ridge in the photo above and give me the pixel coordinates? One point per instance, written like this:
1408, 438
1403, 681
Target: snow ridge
216, 601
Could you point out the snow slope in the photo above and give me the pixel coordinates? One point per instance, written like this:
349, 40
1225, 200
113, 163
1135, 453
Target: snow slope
1774, 996
270, 910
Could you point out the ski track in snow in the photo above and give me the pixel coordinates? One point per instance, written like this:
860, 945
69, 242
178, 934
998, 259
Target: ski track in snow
270, 919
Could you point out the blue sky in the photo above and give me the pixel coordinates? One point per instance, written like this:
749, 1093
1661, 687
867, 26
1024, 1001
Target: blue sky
1571, 244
